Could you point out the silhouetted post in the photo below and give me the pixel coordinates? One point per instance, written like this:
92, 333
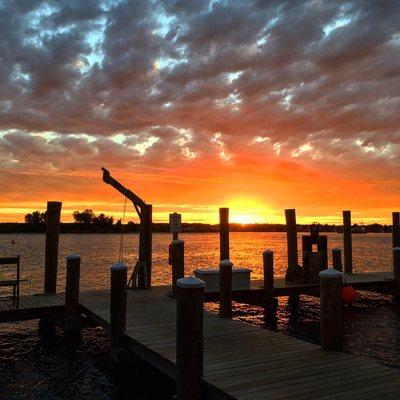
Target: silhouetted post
145, 245
337, 259
223, 234
396, 273
268, 269
118, 306
225, 289
71, 319
396, 230
189, 337
347, 245
178, 262
52, 238
331, 283
291, 232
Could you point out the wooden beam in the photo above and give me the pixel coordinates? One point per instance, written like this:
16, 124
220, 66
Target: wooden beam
291, 232
223, 234
52, 239
225, 289
178, 262
189, 338
347, 243
331, 303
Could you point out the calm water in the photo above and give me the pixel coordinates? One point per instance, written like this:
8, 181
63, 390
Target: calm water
35, 366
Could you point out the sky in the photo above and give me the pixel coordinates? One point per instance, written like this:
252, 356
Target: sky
194, 105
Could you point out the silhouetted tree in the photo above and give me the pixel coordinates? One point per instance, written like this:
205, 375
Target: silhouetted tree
103, 220
36, 217
85, 217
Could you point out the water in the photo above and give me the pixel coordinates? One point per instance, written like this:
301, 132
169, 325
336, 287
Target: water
36, 366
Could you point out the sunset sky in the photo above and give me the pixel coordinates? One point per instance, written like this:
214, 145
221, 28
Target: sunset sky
255, 105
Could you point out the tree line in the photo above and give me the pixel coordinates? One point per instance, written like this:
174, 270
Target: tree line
87, 217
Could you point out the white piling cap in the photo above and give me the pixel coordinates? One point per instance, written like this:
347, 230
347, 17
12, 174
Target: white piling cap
225, 263
190, 282
177, 241
268, 252
395, 249
117, 266
73, 257
330, 273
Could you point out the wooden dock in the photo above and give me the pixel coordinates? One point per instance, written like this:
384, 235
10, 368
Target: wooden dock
240, 361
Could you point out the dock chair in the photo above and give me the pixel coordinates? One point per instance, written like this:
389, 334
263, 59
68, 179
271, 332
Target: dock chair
8, 280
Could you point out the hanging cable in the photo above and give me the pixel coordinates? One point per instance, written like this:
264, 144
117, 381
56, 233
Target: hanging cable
121, 241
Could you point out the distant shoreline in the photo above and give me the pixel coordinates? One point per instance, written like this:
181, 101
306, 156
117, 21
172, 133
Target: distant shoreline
160, 227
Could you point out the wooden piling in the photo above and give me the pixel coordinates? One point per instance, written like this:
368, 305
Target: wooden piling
118, 305
225, 289
271, 302
337, 259
331, 322
347, 243
223, 234
396, 230
71, 319
291, 232
189, 338
178, 262
396, 273
145, 246
52, 238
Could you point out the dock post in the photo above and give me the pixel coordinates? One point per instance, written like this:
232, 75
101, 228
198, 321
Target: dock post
189, 338
270, 301
396, 229
223, 234
337, 259
71, 317
396, 273
225, 289
178, 262
292, 250
118, 306
331, 303
347, 244
52, 238
291, 234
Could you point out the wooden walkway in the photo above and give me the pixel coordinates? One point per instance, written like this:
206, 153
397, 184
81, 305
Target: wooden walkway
240, 361
243, 361
32, 307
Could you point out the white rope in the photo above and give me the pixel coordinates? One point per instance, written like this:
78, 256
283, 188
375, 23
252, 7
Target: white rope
121, 241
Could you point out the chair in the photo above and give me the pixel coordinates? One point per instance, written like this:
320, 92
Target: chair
8, 281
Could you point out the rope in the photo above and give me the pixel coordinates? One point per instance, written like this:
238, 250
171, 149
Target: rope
121, 240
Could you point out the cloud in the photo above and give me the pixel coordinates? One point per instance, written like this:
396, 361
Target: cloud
147, 86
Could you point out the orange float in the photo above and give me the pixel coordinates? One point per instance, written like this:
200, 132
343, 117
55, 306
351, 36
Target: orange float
349, 294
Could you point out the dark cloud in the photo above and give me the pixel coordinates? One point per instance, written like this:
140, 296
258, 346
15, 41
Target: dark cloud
313, 79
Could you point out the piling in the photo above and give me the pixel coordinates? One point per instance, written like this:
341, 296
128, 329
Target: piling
189, 338
71, 318
178, 262
396, 273
268, 269
396, 230
225, 289
347, 244
337, 259
52, 238
118, 306
291, 232
145, 246
331, 322
223, 234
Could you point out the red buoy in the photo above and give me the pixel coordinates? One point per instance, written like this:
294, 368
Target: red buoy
349, 294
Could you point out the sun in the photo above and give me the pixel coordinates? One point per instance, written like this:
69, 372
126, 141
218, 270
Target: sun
249, 211
245, 219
